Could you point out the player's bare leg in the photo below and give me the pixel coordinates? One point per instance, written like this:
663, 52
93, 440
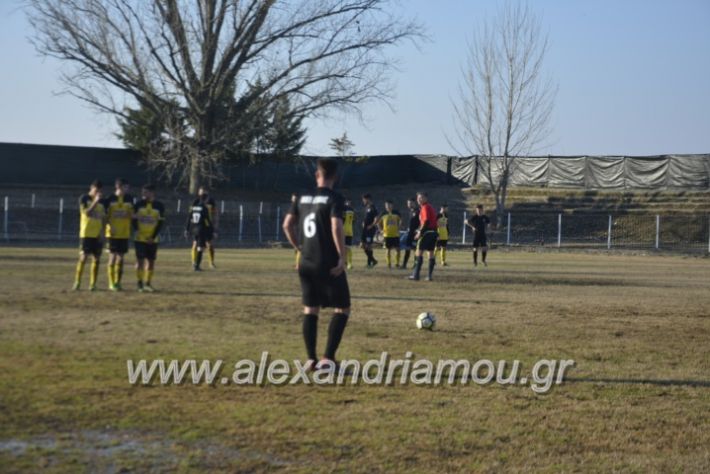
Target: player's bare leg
210, 254
112, 271
119, 270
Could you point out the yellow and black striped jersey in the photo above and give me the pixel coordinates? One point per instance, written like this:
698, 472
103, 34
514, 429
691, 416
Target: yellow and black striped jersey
391, 222
348, 221
90, 222
119, 211
443, 226
148, 218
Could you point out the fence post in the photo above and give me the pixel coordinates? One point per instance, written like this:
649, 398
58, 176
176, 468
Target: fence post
658, 230
559, 230
178, 206
507, 240
241, 221
463, 232
608, 235
33, 201
61, 218
6, 232
278, 222
261, 210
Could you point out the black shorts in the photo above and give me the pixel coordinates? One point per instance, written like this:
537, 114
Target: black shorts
91, 246
480, 240
348, 240
146, 251
324, 291
119, 246
392, 242
368, 236
442, 243
427, 241
201, 238
209, 234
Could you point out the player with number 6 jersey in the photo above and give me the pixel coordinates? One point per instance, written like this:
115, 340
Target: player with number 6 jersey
319, 218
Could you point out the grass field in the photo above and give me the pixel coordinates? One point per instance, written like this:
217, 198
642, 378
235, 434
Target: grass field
638, 399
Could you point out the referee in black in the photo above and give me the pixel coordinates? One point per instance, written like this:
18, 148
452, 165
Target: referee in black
319, 218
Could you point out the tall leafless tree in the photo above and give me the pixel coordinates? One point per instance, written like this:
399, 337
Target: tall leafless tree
504, 102
153, 54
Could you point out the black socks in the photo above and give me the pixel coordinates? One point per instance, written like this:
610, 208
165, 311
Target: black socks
475, 257
418, 267
310, 334
432, 262
335, 334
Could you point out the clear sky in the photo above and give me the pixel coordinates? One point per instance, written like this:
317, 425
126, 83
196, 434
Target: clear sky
633, 76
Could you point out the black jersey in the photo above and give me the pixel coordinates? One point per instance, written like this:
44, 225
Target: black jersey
198, 220
479, 223
370, 216
211, 205
413, 220
314, 211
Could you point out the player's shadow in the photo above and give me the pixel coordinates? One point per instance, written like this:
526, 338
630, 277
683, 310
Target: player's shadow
642, 381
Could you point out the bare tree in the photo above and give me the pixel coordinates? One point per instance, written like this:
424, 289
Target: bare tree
153, 54
503, 107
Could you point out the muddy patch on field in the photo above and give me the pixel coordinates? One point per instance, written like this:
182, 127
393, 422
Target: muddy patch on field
131, 451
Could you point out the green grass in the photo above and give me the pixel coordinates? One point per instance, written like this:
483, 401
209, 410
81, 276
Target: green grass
66, 405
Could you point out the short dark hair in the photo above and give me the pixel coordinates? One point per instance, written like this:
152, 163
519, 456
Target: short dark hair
413, 199
388, 201
328, 166
367, 196
422, 193
97, 184
121, 181
204, 188
479, 206
149, 187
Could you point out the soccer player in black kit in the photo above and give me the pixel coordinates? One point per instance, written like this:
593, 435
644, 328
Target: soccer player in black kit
199, 226
478, 223
318, 216
412, 230
369, 229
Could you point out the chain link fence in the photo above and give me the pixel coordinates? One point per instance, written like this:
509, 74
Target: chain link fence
45, 220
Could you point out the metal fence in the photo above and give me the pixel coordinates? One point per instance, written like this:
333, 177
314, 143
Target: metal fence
55, 221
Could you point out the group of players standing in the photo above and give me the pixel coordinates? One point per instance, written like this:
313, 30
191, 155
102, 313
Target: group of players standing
426, 231
119, 217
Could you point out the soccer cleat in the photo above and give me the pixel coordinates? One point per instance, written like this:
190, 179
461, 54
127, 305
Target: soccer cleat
140, 286
485, 264
374, 262
148, 289
213, 266
196, 268
429, 279
349, 266
118, 287
113, 287
92, 288
413, 278
76, 286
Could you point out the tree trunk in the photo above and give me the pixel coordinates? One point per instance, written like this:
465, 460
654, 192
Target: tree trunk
194, 175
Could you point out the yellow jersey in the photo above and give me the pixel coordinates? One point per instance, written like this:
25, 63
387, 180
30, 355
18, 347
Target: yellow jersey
443, 226
90, 222
348, 221
391, 222
148, 217
120, 213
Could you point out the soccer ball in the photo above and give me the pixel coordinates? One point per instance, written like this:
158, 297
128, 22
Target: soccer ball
426, 321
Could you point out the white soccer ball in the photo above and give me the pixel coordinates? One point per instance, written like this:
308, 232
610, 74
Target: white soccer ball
426, 321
